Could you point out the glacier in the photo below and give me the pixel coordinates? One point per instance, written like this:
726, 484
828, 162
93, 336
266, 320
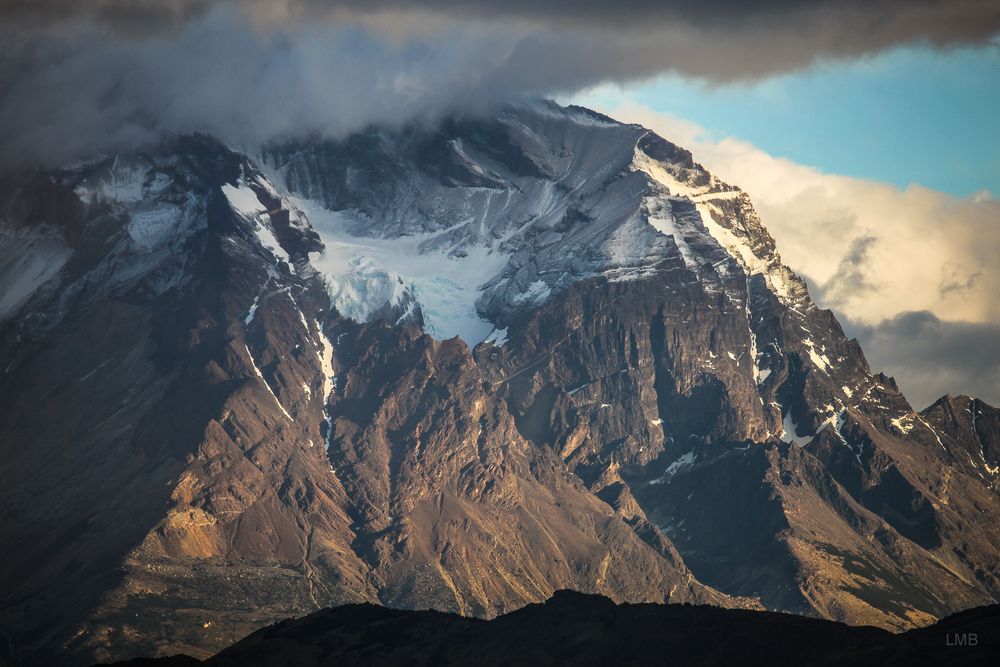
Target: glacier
572, 196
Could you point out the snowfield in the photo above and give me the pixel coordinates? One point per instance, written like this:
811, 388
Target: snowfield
496, 238
364, 274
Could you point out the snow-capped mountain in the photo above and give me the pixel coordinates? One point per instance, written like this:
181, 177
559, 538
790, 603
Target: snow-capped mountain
480, 225
459, 367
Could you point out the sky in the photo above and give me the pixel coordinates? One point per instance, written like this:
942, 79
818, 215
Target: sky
877, 177
911, 115
866, 133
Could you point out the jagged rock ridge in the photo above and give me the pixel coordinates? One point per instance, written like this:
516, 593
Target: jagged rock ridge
258, 415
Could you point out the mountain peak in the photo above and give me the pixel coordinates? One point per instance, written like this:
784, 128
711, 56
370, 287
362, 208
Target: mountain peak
249, 348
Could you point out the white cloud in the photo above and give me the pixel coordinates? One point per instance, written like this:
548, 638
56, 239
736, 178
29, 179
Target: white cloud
870, 250
913, 273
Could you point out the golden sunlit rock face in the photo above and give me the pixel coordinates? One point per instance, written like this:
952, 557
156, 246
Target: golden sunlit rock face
199, 442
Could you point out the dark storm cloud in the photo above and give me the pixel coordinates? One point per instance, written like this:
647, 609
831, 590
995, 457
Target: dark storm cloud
85, 76
78, 76
930, 357
633, 37
851, 278
942, 21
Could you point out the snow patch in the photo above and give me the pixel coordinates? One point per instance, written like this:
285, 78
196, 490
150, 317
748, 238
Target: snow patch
682, 462
262, 379
366, 274
535, 294
776, 276
253, 310
497, 337
151, 227
931, 429
244, 203
267, 239
325, 355
666, 225
656, 170
790, 432
123, 183
903, 424
26, 263
820, 361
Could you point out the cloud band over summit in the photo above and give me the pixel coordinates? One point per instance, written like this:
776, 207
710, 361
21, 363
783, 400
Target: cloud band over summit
83, 76
636, 37
935, 20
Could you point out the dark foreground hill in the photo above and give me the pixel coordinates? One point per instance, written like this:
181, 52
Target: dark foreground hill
457, 366
579, 629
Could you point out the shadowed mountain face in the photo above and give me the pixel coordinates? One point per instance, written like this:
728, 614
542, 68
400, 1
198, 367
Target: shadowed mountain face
577, 629
454, 368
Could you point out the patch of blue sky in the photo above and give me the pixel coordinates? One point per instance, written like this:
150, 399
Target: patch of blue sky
910, 115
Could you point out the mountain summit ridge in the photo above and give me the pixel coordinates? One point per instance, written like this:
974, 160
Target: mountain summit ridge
256, 420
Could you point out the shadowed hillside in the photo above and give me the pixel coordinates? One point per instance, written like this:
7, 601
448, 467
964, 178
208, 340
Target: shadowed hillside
579, 629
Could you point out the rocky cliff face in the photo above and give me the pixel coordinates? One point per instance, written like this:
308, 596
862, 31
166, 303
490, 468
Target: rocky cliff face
458, 368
